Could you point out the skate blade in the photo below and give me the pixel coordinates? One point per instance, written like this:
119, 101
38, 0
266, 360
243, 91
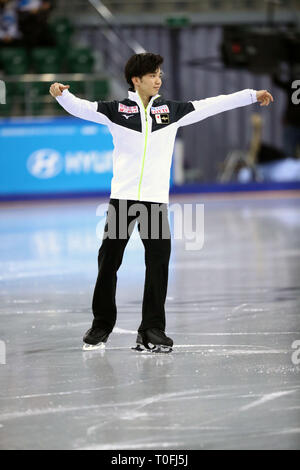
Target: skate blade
93, 347
158, 349
138, 348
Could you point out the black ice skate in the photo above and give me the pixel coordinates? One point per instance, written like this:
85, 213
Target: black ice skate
139, 344
153, 340
95, 338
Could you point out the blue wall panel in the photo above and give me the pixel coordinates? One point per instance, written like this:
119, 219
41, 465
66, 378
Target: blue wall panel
54, 155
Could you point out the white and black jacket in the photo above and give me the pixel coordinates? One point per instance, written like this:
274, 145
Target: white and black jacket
144, 138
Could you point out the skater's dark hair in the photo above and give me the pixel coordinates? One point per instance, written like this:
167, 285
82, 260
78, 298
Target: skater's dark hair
141, 64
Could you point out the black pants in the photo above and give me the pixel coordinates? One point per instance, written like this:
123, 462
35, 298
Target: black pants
153, 226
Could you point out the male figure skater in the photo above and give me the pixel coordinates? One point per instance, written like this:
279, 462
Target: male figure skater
144, 128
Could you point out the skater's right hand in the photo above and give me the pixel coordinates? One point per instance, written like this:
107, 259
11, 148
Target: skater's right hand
56, 89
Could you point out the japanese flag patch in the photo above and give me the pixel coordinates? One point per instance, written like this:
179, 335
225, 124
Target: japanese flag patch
162, 118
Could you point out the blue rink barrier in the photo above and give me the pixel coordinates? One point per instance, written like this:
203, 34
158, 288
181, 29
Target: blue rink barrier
47, 156
184, 189
234, 187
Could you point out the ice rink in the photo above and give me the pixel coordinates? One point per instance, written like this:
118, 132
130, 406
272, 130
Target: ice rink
233, 310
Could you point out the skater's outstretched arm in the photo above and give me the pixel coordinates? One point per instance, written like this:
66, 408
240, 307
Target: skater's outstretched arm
199, 110
83, 109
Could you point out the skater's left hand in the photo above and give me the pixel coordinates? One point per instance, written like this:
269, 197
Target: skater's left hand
264, 97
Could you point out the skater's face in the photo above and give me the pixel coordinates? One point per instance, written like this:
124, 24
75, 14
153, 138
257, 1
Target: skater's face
149, 84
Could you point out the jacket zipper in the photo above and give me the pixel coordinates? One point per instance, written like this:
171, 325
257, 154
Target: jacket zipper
145, 148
